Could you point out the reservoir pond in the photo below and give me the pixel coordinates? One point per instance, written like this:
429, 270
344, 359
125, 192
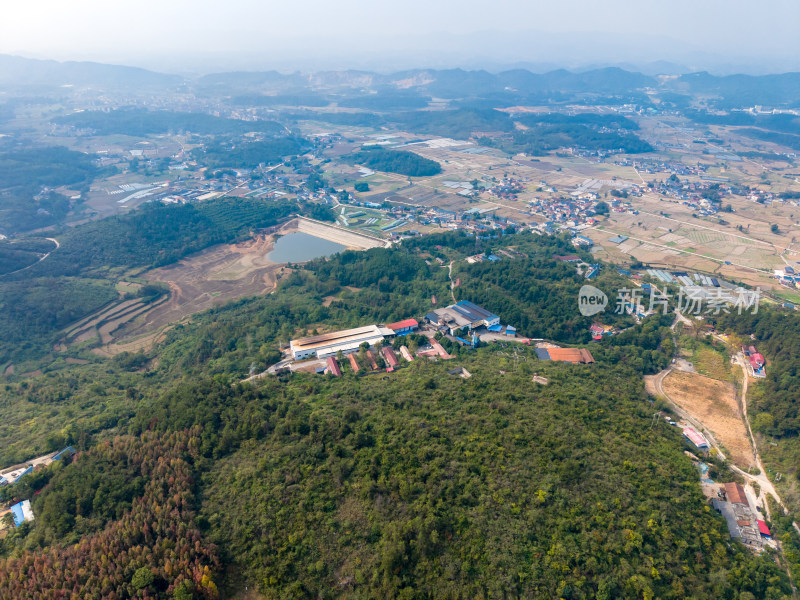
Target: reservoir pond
300, 247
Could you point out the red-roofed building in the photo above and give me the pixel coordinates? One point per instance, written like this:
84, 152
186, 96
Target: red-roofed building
403, 327
567, 258
333, 367
354, 363
695, 437
762, 527
735, 494
390, 357
572, 355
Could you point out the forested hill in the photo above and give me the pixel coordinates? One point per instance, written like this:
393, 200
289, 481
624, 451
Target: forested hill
419, 485
396, 161
142, 122
411, 484
26, 172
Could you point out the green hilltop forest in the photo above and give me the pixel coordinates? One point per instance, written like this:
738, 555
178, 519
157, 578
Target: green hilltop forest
187, 483
395, 161
24, 175
141, 122
547, 132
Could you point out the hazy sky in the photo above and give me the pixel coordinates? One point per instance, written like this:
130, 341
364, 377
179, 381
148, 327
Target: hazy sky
248, 34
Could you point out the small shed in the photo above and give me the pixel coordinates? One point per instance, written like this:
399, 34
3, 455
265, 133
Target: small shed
762, 527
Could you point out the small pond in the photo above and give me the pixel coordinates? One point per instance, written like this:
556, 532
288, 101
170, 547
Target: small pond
300, 247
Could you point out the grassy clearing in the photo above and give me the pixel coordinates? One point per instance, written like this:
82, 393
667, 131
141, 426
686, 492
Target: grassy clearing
787, 294
711, 361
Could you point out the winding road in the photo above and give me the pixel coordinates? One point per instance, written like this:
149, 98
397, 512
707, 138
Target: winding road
41, 258
450, 277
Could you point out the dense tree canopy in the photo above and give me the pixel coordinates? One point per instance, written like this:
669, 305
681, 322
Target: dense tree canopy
396, 161
24, 173
142, 122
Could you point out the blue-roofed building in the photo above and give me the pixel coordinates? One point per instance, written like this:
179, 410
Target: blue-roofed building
432, 317
493, 257
462, 315
478, 315
618, 239
12, 474
22, 512
60, 454
580, 240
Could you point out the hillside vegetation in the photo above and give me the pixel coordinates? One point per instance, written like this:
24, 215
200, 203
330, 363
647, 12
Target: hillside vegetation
551, 131
249, 155
414, 484
24, 173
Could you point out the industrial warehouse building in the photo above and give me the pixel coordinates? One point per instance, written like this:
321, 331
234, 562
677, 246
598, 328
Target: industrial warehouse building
462, 314
346, 341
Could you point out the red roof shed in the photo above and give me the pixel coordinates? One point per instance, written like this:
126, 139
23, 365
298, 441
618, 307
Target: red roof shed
388, 353
405, 324
762, 527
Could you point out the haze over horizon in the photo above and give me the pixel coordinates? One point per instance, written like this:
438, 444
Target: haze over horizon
181, 36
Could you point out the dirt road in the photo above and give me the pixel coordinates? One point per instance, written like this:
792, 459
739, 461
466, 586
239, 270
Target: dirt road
450, 277
41, 258
765, 485
658, 385
763, 481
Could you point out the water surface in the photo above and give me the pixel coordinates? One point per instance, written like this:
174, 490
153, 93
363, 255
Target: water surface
300, 247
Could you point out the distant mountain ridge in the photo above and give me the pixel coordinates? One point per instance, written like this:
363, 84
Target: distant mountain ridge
781, 89
15, 70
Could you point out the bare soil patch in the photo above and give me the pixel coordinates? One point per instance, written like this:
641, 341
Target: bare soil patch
76, 361
650, 385
714, 404
212, 277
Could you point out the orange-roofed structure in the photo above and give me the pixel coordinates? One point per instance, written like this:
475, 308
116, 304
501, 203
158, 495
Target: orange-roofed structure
735, 493
573, 355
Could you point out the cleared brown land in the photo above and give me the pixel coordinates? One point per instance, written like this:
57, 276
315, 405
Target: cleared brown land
713, 403
209, 278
